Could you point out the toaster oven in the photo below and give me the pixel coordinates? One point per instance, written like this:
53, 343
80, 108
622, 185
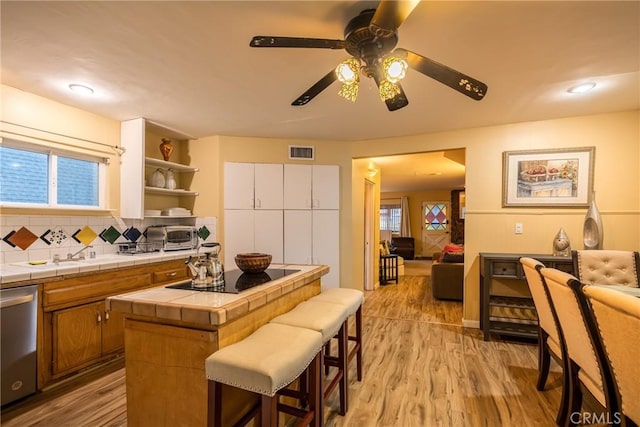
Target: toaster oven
173, 237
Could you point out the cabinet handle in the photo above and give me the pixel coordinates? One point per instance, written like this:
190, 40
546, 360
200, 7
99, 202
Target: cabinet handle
106, 316
258, 203
252, 203
173, 273
99, 318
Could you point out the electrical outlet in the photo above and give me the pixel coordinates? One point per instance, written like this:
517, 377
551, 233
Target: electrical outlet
519, 229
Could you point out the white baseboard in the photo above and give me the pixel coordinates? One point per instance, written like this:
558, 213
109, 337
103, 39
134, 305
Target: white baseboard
471, 323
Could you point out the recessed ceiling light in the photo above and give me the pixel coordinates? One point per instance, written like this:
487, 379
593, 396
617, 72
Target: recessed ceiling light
582, 88
80, 89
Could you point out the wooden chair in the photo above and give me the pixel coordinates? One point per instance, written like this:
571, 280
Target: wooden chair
607, 267
617, 318
583, 357
550, 342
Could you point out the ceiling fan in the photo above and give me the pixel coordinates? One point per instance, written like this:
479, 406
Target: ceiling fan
370, 39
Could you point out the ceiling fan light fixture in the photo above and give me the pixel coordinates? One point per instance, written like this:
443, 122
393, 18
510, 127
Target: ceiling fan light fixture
394, 68
388, 90
347, 71
349, 91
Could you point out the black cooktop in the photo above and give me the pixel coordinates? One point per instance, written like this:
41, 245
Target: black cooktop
236, 281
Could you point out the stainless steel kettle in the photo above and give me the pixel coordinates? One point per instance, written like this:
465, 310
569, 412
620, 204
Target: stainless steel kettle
207, 271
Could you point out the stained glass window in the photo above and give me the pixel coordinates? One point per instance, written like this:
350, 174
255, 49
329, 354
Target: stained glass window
435, 216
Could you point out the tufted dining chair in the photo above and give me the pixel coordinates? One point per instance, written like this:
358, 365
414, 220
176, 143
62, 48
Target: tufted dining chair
583, 358
607, 267
549, 338
617, 318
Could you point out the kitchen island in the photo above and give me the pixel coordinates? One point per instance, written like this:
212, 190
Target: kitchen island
170, 332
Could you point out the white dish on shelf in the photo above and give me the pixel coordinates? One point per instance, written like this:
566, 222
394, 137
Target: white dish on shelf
152, 212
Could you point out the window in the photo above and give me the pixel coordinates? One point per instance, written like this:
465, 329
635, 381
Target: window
390, 214
435, 216
48, 178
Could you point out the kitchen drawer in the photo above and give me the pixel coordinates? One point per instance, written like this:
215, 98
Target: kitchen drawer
170, 275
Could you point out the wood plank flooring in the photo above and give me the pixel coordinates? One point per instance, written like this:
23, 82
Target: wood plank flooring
421, 368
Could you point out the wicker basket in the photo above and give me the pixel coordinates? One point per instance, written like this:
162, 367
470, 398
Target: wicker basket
253, 262
534, 177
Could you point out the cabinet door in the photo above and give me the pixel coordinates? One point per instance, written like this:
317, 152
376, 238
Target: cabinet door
268, 186
112, 331
326, 245
297, 186
238, 185
326, 187
132, 138
77, 336
238, 234
268, 234
297, 236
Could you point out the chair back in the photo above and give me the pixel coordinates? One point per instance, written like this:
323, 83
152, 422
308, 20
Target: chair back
540, 297
617, 317
573, 327
607, 267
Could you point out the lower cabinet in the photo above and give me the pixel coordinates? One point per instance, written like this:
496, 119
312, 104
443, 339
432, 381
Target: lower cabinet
84, 334
78, 332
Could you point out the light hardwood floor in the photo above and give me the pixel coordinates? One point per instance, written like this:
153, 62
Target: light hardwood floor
421, 368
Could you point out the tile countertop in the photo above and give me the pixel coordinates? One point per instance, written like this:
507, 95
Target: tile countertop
212, 308
23, 271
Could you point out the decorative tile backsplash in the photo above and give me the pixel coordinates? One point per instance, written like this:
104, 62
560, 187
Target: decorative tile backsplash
37, 237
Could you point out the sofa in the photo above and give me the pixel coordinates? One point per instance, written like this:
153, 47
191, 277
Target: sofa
403, 246
447, 276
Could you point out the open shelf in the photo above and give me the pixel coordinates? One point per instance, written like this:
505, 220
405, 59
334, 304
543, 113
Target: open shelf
167, 192
150, 161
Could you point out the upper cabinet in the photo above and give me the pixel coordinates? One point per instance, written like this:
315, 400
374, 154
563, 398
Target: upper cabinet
311, 187
140, 189
253, 186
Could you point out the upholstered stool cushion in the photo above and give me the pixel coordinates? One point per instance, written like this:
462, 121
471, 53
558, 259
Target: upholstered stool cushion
267, 360
320, 316
350, 298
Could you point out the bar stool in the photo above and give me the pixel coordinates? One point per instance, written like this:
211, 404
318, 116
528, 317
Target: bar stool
352, 299
330, 320
266, 362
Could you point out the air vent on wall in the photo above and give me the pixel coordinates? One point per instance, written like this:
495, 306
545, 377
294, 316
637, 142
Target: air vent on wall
301, 152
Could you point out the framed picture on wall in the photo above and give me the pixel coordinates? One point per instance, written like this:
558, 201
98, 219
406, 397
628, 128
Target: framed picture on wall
559, 177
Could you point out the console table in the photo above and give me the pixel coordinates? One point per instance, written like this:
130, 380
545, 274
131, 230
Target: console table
506, 305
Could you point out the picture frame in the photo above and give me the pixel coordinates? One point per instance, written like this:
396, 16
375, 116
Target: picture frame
548, 178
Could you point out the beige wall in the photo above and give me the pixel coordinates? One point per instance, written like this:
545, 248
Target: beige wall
31, 118
489, 226
415, 199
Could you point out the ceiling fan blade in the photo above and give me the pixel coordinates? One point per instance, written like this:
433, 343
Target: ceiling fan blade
270, 41
390, 14
464, 84
397, 102
314, 90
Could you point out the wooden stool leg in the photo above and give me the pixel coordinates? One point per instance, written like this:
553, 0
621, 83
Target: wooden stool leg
214, 403
316, 403
343, 359
269, 411
359, 343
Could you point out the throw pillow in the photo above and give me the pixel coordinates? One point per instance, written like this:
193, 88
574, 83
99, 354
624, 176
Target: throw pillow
453, 257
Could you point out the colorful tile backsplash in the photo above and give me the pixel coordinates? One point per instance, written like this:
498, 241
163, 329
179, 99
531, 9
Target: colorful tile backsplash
38, 237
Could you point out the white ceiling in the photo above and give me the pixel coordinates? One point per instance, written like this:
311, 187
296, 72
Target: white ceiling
189, 66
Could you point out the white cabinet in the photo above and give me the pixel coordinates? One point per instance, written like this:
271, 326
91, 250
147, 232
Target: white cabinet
313, 237
253, 186
311, 187
247, 230
135, 195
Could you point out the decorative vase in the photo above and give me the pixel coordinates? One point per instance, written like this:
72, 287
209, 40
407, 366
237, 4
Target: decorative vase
561, 244
170, 180
166, 148
592, 231
157, 179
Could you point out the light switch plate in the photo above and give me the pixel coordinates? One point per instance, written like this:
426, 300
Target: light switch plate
519, 228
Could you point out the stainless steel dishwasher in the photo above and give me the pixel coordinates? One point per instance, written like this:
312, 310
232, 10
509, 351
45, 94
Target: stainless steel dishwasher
18, 326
